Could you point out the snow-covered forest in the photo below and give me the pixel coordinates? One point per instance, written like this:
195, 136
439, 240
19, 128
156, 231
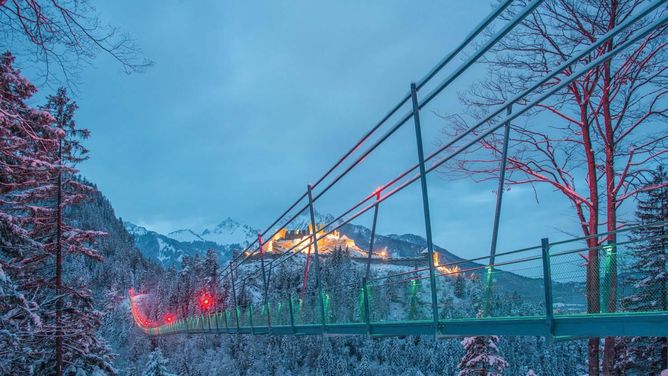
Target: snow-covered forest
70, 265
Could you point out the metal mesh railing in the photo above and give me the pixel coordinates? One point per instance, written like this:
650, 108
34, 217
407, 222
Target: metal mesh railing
617, 281
622, 279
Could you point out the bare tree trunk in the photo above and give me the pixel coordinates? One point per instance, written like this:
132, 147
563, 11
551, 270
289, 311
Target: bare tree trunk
591, 229
593, 305
664, 293
611, 196
59, 270
664, 353
214, 288
611, 273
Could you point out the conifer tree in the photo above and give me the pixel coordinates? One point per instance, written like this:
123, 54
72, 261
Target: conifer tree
482, 357
27, 142
157, 365
460, 286
211, 277
649, 278
72, 317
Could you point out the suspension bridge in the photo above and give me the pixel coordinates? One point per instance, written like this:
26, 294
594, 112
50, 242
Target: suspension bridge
549, 282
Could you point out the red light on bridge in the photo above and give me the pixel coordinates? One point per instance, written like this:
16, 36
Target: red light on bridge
170, 318
205, 301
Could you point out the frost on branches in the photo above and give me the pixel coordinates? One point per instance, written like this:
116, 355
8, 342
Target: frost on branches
157, 365
48, 322
482, 357
26, 141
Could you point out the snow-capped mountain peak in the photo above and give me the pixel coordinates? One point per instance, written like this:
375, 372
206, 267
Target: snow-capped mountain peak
134, 230
230, 231
185, 235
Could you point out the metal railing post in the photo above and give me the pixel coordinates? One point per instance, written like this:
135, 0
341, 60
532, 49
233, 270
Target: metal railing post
264, 281
425, 205
250, 317
609, 279
547, 283
234, 295
497, 213
292, 313
373, 235
367, 311
318, 283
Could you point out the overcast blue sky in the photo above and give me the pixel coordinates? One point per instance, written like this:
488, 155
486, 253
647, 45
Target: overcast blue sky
250, 101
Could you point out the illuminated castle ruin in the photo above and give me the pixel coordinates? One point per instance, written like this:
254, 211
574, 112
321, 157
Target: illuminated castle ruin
286, 239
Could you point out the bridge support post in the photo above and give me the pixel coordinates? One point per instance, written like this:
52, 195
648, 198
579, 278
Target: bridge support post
234, 295
292, 314
318, 283
250, 317
367, 311
497, 215
373, 234
425, 205
265, 282
547, 283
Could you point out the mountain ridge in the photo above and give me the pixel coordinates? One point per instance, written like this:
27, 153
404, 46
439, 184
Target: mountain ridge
230, 235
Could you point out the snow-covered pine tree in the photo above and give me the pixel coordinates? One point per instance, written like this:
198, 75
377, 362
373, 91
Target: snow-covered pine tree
211, 277
649, 278
482, 357
27, 141
460, 286
157, 365
72, 317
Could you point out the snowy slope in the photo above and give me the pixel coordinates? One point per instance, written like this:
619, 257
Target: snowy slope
169, 250
185, 235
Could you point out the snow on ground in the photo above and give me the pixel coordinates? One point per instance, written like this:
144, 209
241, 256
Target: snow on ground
163, 249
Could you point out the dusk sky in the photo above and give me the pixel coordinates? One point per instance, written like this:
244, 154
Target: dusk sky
249, 102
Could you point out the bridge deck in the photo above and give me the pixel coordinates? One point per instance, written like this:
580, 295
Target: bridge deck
653, 324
